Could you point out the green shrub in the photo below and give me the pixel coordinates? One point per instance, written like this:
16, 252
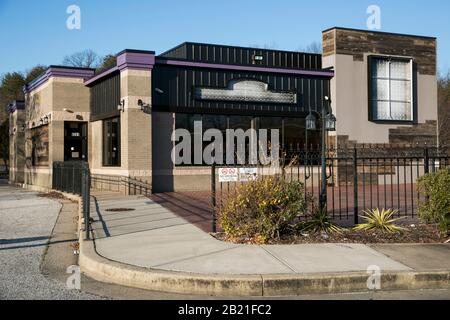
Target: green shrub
380, 220
320, 222
263, 209
435, 188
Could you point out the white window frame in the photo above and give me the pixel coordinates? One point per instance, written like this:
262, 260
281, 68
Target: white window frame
410, 60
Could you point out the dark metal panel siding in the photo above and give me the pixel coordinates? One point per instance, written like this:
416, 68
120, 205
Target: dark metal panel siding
178, 83
105, 96
210, 53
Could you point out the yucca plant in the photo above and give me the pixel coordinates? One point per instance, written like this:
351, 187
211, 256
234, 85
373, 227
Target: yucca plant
377, 219
320, 222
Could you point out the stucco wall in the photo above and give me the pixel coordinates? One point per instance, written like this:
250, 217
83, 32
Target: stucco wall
349, 94
347, 51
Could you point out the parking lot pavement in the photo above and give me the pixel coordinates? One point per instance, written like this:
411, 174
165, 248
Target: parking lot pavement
26, 223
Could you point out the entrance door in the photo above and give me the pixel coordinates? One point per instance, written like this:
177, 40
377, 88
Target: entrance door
75, 141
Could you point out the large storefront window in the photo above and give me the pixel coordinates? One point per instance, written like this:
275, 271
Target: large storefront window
111, 142
292, 132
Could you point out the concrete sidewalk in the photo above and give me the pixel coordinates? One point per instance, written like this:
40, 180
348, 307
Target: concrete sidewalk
157, 240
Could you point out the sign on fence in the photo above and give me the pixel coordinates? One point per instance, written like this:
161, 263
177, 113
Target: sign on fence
228, 175
238, 174
248, 174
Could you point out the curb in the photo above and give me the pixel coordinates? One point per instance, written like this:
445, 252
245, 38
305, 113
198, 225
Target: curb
105, 270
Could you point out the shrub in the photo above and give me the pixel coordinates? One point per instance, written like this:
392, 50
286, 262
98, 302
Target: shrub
380, 220
320, 222
263, 209
435, 208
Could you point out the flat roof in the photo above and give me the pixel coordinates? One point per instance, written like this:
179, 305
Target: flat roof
381, 32
234, 47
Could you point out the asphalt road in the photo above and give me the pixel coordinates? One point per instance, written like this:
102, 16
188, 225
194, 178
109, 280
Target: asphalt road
35, 239
26, 223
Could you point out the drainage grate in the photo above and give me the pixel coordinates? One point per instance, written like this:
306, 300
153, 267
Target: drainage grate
120, 210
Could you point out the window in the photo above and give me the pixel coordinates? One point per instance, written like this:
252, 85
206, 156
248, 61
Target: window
75, 141
111, 142
292, 132
391, 88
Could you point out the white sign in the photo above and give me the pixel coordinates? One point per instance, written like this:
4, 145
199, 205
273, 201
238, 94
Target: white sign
248, 174
228, 175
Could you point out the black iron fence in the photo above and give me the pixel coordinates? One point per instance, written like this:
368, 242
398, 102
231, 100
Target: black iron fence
74, 177
128, 185
357, 179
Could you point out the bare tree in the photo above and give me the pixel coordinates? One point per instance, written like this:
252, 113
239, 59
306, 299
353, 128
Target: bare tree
83, 59
444, 111
108, 61
313, 47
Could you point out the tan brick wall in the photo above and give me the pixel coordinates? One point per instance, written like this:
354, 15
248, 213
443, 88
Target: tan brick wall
17, 146
64, 99
135, 136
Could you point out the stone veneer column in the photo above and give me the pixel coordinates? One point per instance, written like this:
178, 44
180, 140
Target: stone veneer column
136, 126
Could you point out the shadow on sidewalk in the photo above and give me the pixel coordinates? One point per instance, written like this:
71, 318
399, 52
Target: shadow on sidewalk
194, 207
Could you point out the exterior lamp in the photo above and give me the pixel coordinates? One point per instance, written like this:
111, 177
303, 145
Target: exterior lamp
145, 107
46, 120
121, 106
311, 122
330, 122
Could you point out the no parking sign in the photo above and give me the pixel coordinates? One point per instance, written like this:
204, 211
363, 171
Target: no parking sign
228, 175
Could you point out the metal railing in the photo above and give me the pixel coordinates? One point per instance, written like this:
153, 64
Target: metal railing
129, 185
74, 177
358, 179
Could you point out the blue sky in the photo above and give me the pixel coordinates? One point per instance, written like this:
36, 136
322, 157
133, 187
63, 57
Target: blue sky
34, 32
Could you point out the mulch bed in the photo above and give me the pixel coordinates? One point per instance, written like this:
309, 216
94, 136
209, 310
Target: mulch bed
52, 195
414, 234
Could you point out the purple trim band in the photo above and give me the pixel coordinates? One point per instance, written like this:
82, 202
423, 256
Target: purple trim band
16, 105
100, 75
135, 60
323, 73
58, 72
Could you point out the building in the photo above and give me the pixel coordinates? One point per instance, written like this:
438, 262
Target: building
383, 90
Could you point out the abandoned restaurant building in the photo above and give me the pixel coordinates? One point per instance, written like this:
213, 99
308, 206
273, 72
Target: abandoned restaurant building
382, 89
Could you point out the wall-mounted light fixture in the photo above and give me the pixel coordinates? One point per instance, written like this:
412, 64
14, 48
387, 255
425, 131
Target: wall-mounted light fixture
121, 106
68, 110
46, 119
257, 58
145, 107
158, 90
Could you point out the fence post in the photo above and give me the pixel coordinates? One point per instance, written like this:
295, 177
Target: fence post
355, 186
85, 195
73, 179
426, 161
213, 197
